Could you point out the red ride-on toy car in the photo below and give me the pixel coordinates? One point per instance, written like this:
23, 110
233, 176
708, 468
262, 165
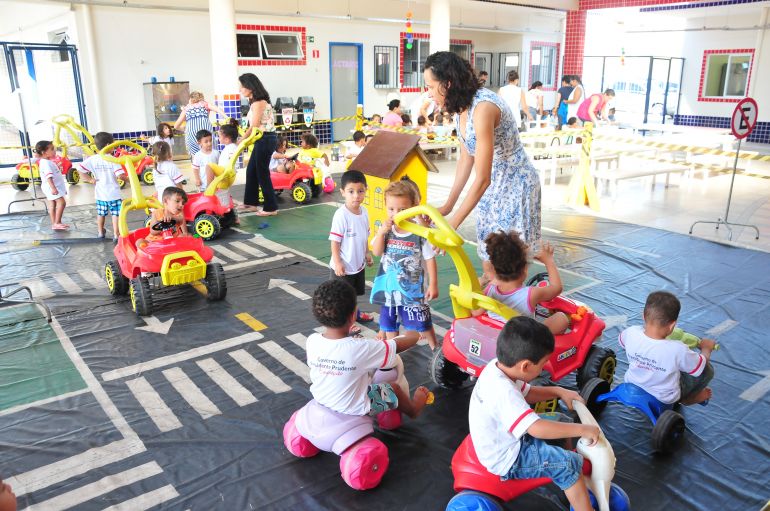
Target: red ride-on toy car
24, 174
144, 168
213, 210
168, 262
471, 342
305, 182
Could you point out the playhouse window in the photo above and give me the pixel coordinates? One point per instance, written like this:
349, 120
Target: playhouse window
378, 198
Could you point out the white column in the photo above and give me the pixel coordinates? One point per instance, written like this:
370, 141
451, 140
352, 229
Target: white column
439, 25
758, 51
224, 51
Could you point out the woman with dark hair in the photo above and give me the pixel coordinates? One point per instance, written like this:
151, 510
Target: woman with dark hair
393, 117
506, 190
260, 116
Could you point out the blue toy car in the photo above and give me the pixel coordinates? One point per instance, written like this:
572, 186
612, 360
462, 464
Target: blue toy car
668, 425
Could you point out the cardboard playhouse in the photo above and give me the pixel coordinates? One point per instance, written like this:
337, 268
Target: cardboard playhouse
389, 157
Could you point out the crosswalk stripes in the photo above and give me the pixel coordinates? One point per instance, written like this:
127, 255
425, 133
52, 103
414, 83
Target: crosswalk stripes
248, 249
146, 500
226, 382
191, 392
259, 371
287, 359
226, 252
153, 404
66, 282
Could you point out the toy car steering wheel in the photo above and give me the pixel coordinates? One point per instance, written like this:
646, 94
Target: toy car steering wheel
162, 226
106, 152
441, 236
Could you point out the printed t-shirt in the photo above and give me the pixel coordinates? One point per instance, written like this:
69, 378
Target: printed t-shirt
106, 174
400, 278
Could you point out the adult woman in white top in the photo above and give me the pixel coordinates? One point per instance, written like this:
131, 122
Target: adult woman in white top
576, 97
535, 99
515, 97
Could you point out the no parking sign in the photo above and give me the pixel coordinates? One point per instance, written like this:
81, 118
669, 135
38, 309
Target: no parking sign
744, 118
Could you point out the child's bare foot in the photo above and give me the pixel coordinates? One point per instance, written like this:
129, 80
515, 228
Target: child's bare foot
703, 395
419, 401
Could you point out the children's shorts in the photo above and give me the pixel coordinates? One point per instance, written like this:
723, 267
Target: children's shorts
539, 459
411, 317
382, 398
105, 206
357, 280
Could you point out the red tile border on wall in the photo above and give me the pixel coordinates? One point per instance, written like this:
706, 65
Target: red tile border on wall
609, 4
706, 53
275, 62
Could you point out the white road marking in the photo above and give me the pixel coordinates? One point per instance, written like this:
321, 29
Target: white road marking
613, 321
440, 331
153, 404
248, 249
39, 290
260, 240
146, 500
629, 249
59, 471
179, 357
105, 485
759, 389
287, 359
260, 372
215, 259
42, 402
722, 327
191, 393
247, 264
92, 278
67, 283
227, 382
298, 339
286, 285
228, 253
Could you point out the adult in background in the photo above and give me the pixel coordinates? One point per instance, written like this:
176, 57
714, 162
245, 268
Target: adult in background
515, 97
560, 108
595, 107
258, 170
506, 190
576, 96
195, 115
535, 99
393, 117
483, 78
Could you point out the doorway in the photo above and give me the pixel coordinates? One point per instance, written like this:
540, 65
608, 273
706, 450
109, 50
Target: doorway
346, 86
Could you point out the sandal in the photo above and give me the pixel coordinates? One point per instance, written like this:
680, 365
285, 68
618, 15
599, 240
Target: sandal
364, 317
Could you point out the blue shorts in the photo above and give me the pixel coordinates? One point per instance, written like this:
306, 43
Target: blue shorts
381, 398
105, 206
411, 317
539, 459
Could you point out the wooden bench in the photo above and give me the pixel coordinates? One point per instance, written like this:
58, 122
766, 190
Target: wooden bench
612, 176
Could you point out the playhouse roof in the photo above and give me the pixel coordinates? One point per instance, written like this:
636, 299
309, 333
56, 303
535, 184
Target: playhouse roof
386, 151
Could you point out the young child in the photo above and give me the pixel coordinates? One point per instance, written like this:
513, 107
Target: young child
166, 173
399, 287
104, 174
345, 385
279, 162
508, 258
507, 435
667, 369
376, 119
572, 122
309, 151
174, 200
406, 120
202, 158
349, 235
228, 135
52, 183
359, 142
422, 125
165, 133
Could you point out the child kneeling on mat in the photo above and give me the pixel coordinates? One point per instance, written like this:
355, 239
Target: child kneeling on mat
667, 369
342, 366
508, 436
174, 200
508, 257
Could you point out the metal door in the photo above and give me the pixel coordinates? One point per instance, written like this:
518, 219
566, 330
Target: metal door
346, 86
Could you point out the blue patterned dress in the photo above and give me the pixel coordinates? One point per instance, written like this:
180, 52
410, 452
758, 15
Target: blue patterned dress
197, 118
512, 200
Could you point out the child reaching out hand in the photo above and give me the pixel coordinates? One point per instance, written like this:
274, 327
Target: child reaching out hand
508, 258
279, 162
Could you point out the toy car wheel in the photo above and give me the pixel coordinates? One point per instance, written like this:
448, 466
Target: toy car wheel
215, 282
207, 227
141, 298
594, 388
364, 464
117, 283
600, 363
73, 176
668, 433
537, 279
475, 500
618, 499
148, 177
445, 373
19, 183
295, 443
549, 405
315, 190
301, 193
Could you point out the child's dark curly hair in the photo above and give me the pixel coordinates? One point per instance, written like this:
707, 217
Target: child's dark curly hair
334, 302
507, 253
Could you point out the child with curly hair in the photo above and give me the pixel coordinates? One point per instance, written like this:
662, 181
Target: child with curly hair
508, 258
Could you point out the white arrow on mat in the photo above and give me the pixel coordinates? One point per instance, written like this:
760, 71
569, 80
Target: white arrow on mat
286, 285
759, 389
613, 321
156, 326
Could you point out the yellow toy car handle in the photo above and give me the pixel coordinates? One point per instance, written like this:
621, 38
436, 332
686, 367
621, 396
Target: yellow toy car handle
441, 235
106, 152
62, 119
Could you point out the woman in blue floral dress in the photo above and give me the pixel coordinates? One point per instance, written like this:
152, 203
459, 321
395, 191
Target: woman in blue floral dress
506, 190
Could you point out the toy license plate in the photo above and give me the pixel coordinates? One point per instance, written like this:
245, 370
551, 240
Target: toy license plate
475, 348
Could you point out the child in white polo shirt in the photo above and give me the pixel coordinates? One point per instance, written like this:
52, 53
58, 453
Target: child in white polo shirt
342, 367
104, 174
508, 436
667, 369
349, 237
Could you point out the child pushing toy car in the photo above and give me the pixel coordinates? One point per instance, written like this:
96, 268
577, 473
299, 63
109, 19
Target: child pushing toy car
104, 174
